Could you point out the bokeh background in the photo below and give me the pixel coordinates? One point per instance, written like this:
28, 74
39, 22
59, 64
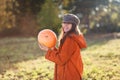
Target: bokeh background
21, 20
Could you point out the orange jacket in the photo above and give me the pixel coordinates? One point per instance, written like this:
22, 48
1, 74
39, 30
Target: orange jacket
67, 58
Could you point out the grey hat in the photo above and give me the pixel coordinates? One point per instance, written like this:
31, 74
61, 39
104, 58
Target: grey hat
71, 18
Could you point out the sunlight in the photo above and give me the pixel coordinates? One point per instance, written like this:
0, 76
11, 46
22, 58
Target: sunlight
114, 0
97, 8
117, 0
110, 0
105, 9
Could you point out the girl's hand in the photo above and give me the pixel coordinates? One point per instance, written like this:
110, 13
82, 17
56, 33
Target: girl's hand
44, 48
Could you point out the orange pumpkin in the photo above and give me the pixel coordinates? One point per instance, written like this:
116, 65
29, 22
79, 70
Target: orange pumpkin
47, 38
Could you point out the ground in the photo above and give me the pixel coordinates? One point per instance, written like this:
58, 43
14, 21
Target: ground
21, 59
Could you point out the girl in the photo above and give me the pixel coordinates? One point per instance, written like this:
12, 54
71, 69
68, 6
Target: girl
67, 58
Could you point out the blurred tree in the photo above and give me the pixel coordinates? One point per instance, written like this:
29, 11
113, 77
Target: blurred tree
95, 13
82, 8
2, 14
19, 16
7, 19
48, 17
106, 18
26, 15
24, 6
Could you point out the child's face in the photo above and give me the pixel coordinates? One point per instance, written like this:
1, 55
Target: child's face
66, 26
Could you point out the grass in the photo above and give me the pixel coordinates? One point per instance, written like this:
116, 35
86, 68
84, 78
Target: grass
101, 60
21, 59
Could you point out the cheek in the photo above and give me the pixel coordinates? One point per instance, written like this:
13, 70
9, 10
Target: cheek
69, 27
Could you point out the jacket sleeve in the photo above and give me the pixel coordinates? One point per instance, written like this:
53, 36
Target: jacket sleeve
63, 55
82, 42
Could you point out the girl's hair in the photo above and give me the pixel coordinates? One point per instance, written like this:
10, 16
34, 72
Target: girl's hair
63, 35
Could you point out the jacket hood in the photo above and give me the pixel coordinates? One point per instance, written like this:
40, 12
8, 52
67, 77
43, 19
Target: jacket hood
80, 40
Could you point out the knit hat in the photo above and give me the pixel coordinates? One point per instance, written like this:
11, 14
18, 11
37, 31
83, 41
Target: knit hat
71, 18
